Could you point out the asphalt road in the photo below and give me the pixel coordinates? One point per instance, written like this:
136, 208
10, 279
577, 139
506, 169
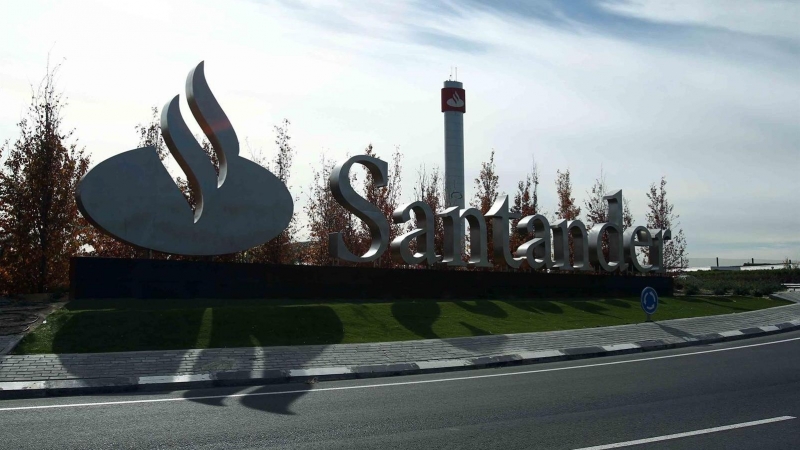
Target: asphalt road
751, 385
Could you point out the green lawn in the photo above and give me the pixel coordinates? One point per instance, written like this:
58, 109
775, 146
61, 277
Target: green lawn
127, 325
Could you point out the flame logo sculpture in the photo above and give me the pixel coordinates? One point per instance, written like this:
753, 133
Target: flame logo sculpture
456, 101
132, 197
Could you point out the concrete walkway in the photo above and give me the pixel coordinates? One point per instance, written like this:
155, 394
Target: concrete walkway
163, 369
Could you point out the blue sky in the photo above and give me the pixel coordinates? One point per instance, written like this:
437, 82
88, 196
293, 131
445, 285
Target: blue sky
706, 93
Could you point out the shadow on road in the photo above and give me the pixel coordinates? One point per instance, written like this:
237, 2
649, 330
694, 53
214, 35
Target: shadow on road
278, 404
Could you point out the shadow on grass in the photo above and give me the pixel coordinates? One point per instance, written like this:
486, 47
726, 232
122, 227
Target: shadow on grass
475, 331
120, 331
483, 307
589, 307
131, 330
536, 306
721, 302
294, 325
618, 303
202, 303
417, 317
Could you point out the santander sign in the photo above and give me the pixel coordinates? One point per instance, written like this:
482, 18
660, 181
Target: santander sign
131, 197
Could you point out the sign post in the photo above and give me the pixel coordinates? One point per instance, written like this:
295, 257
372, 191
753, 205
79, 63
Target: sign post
649, 302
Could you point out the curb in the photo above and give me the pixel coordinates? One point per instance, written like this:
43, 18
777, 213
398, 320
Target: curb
34, 389
13, 343
792, 296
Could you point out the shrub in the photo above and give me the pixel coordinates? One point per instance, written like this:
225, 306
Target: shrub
766, 288
691, 289
741, 289
720, 288
750, 276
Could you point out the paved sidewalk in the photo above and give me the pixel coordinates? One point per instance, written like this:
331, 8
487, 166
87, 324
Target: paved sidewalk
238, 365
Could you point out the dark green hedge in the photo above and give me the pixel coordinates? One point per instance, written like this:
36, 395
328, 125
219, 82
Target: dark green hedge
774, 275
747, 282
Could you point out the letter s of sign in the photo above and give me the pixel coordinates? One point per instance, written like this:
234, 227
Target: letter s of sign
344, 193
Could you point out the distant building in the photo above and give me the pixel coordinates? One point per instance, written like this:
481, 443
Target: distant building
752, 265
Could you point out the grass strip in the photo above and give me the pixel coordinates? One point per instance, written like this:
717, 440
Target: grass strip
133, 325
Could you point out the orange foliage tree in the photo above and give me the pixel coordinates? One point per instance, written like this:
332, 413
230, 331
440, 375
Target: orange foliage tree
387, 199
486, 193
325, 215
282, 249
660, 216
567, 209
526, 203
39, 220
597, 209
429, 188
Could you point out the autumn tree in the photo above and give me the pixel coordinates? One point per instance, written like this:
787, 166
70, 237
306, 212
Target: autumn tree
39, 217
429, 189
661, 216
597, 209
325, 215
596, 206
283, 248
386, 198
526, 203
150, 134
486, 193
627, 216
567, 209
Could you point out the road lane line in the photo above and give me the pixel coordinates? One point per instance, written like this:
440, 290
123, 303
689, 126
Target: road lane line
399, 383
687, 434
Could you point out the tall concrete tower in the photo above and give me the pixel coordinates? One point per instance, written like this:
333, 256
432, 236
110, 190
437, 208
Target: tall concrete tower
454, 107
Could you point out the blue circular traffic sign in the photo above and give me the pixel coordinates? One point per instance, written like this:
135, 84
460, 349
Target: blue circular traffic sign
649, 300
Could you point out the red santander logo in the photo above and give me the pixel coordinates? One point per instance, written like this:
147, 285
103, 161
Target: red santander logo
454, 99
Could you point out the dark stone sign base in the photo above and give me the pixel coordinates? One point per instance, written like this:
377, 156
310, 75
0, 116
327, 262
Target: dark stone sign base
154, 279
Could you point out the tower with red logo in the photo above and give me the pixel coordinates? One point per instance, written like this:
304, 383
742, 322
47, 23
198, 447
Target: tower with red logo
454, 107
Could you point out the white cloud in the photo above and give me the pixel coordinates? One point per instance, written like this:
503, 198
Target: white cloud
778, 18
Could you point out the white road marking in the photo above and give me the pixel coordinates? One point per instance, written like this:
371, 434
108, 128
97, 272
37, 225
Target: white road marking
688, 433
619, 347
400, 383
730, 333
